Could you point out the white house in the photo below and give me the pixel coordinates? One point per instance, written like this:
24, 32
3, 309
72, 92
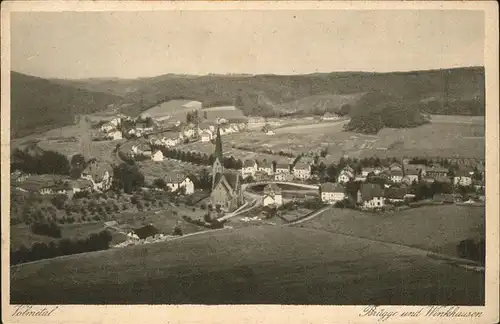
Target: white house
115, 121
371, 195
107, 127
345, 176
205, 136
462, 178
270, 132
157, 156
249, 168
100, 174
189, 133
332, 192
366, 171
396, 176
170, 141
272, 195
175, 181
115, 135
330, 116
302, 171
267, 167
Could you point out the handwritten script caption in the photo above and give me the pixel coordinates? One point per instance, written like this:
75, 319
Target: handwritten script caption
382, 314
35, 311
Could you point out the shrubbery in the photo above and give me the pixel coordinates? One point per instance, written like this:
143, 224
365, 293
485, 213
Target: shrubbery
39, 250
46, 228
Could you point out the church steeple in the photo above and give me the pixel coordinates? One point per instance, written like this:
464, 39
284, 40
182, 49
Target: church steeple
218, 167
218, 146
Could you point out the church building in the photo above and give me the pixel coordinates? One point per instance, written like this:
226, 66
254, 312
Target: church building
226, 186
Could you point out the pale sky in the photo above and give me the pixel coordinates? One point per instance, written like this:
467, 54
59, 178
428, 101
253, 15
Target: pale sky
140, 44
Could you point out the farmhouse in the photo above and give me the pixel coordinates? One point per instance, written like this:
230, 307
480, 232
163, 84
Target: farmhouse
302, 170
371, 195
115, 135
462, 178
272, 195
226, 187
205, 136
332, 192
395, 166
99, 173
396, 176
107, 127
436, 172
249, 168
170, 141
79, 185
157, 156
176, 180
346, 175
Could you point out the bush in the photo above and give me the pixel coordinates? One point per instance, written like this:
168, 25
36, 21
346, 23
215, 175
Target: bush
472, 250
47, 229
177, 231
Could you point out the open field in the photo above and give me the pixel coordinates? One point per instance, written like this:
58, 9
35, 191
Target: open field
65, 141
446, 136
435, 228
253, 265
227, 141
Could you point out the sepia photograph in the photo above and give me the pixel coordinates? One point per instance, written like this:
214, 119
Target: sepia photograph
284, 156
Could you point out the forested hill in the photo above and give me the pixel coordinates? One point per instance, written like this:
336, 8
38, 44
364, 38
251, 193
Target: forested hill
447, 91
38, 104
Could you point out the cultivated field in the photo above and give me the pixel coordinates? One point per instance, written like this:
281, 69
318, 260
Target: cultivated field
252, 265
446, 136
65, 140
434, 228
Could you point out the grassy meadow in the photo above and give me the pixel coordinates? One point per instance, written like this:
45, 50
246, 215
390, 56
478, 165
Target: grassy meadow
434, 228
252, 265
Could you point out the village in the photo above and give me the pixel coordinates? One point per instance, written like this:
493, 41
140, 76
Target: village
231, 190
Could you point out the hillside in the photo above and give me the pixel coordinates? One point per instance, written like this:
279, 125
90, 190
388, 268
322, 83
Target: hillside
38, 104
448, 91
254, 265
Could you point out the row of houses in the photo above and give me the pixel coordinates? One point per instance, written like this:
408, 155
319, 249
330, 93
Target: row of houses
410, 173
280, 172
395, 173
97, 176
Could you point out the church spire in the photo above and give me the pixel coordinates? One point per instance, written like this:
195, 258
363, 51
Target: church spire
218, 146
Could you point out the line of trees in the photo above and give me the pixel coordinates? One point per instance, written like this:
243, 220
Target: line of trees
44, 162
40, 250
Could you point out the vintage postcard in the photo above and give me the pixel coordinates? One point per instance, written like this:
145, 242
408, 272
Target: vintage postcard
258, 162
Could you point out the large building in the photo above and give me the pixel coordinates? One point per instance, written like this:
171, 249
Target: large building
226, 186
